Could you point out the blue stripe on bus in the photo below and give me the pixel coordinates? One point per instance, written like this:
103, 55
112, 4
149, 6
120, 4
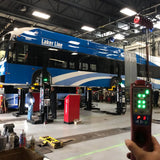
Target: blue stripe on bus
58, 71
98, 83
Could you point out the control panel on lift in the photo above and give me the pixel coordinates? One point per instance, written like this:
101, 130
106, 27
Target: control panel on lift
141, 114
45, 94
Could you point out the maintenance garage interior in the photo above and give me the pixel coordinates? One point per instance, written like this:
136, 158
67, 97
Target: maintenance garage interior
102, 60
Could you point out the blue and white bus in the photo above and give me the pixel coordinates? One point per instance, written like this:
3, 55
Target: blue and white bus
70, 61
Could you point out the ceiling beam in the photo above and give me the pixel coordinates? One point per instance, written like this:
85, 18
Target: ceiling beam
84, 8
111, 4
34, 22
51, 12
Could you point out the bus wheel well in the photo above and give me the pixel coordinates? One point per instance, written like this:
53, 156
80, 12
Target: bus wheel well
37, 76
115, 80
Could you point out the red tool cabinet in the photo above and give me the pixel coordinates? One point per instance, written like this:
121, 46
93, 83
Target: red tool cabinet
71, 108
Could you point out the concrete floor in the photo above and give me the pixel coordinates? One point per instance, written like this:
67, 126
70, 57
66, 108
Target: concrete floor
110, 147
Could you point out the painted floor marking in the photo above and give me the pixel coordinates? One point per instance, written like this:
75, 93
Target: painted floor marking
100, 150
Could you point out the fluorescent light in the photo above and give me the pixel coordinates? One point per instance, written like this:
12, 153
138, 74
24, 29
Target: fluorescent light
154, 20
52, 59
125, 41
123, 26
41, 15
136, 25
156, 25
126, 27
107, 34
87, 28
125, 34
119, 36
142, 27
158, 16
128, 12
52, 49
136, 31
74, 53
98, 34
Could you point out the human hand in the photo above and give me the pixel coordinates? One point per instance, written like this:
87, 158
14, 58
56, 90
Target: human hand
141, 154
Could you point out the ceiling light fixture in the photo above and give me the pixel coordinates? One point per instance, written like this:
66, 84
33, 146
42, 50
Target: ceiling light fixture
156, 25
74, 53
57, 60
136, 25
41, 15
136, 31
52, 49
87, 28
128, 12
119, 37
123, 26
23, 9
158, 16
107, 34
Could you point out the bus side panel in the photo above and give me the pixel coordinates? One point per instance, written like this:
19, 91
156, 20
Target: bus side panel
99, 83
17, 73
22, 74
79, 78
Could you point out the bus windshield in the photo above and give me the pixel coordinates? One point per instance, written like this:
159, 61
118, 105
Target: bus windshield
2, 50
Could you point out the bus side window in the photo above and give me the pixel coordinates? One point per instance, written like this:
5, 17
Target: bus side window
117, 68
72, 65
14, 56
112, 67
93, 67
64, 64
123, 68
10, 57
85, 66
25, 53
107, 65
11, 53
20, 54
80, 66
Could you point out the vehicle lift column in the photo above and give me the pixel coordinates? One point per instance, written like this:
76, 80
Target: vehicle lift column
44, 98
89, 100
21, 103
121, 104
45, 103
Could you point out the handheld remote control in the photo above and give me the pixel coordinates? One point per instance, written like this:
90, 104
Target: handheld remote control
141, 115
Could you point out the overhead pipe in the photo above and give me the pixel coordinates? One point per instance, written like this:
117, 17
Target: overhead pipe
123, 18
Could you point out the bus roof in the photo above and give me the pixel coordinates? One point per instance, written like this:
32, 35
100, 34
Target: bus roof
61, 41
